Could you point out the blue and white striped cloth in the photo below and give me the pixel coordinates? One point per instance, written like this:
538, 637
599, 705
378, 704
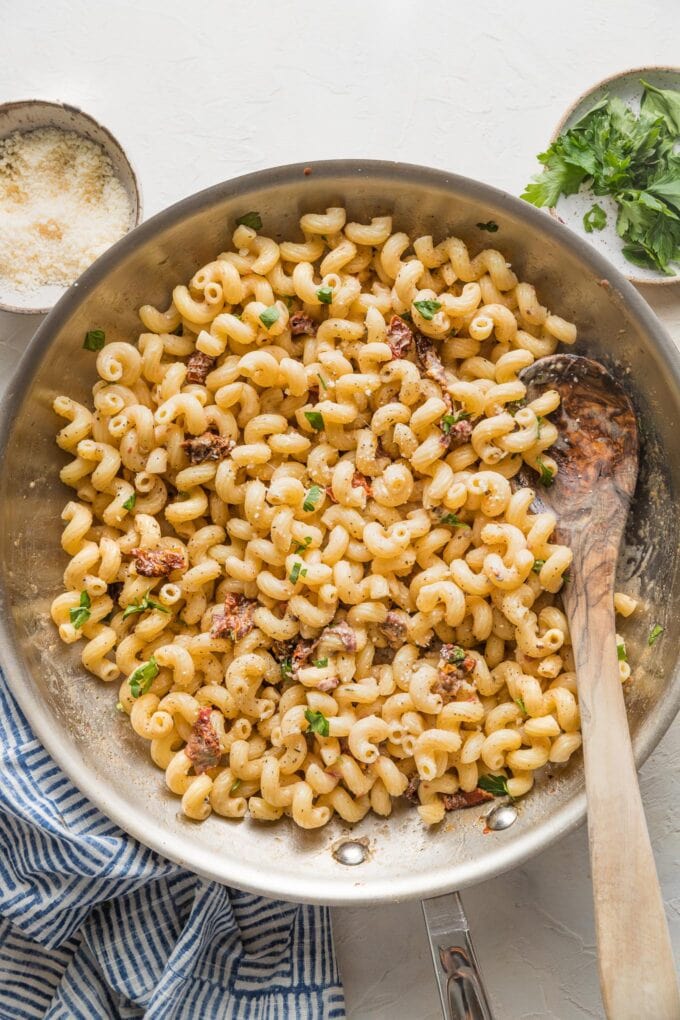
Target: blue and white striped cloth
95, 926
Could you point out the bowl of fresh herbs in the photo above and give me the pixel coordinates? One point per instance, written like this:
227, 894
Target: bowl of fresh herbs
612, 172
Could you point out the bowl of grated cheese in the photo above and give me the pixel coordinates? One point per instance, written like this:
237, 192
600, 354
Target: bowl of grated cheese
67, 193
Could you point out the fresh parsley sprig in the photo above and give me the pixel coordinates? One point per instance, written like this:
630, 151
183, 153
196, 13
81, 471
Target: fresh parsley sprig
632, 157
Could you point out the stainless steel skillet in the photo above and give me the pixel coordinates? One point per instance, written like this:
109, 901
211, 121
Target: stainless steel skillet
74, 716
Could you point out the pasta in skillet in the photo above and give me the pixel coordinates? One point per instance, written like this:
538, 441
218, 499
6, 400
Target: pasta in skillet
296, 541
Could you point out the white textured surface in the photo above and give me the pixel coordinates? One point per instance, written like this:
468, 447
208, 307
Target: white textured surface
202, 92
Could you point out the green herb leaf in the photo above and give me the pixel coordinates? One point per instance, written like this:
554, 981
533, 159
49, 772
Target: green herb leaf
322, 380
130, 501
269, 316
407, 315
142, 606
288, 301
250, 219
547, 476
621, 653
286, 667
594, 219
140, 679
315, 419
320, 663
301, 546
497, 785
654, 634
298, 570
80, 614
449, 420
312, 498
94, 340
490, 225
451, 519
427, 308
538, 564
513, 406
520, 703
325, 295
663, 103
318, 723
234, 787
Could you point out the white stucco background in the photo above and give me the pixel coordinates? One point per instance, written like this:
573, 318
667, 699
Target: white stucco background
200, 92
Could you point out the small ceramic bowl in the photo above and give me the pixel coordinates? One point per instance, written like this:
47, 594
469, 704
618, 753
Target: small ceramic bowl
571, 208
27, 115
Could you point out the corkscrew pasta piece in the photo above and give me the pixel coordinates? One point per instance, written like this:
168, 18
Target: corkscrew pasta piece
296, 538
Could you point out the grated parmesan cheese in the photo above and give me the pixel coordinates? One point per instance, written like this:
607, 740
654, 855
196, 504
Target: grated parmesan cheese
61, 206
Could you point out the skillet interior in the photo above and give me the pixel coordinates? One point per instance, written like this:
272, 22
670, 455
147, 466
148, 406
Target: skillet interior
74, 715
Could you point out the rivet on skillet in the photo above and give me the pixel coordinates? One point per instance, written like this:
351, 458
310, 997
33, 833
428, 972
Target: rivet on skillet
351, 852
501, 817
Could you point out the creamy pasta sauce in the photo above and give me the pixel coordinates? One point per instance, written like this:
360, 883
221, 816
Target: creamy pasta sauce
296, 544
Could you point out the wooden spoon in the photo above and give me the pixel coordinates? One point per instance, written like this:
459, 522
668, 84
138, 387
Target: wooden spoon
597, 456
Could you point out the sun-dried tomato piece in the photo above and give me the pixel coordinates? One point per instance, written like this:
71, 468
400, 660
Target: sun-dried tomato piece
465, 799
157, 562
236, 620
399, 337
199, 367
302, 325
208, 446
203, 747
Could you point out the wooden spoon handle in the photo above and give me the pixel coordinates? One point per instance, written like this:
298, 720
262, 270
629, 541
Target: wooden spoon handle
637, 972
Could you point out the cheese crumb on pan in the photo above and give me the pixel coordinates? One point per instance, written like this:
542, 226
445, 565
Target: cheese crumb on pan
61, 206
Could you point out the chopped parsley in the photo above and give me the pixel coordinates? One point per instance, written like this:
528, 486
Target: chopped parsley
594, 219
538, 565
490, 225
654, 634
632, 157
234, 786
269, 316
547, 475
250, 219
449, 420
320, 663
142, 605
140, 679
129, 503
286, 667
312, 498
497, 785
427, 308
513, 406
325, 295
322, 380
288, 300
621, 653
297, 571
315, 419
94, 340
318, 723
451, 519
301, 546
520, 704
80, 614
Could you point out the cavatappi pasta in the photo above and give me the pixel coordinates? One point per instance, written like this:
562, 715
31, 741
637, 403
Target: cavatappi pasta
296, 541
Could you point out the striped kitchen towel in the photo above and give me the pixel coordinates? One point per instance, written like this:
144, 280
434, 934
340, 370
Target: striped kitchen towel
95, 926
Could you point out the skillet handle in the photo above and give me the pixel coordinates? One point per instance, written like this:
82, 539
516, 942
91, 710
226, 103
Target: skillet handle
461, 989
